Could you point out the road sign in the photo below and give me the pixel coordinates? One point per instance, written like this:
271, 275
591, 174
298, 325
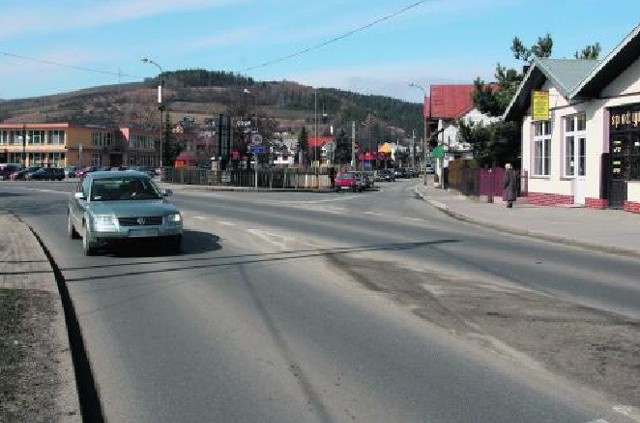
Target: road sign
437, 152
256, 149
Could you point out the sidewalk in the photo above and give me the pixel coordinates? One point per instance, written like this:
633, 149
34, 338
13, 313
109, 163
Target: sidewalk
601, 230
41, 382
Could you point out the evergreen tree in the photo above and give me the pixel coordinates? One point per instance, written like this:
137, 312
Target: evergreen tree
303, 145
343, 148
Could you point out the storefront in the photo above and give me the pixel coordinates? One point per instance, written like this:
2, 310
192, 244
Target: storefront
584, 150
623, 173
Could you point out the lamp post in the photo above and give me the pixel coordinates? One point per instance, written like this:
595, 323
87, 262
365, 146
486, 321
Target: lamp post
425, 124
160, 106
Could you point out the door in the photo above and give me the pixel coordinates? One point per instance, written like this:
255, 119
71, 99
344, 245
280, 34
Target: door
579, 196
617, 181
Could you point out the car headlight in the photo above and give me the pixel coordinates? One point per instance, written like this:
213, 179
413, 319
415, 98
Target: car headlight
174, 218
104, 223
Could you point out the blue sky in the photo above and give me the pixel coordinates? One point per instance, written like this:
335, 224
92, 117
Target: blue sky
435, 42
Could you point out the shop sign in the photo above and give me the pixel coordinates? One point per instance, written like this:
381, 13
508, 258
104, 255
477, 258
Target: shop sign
540, 105
625, 119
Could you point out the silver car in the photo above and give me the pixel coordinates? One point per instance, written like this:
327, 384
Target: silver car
119, 207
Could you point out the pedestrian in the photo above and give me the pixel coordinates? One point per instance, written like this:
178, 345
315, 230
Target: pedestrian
509, 185
332, 176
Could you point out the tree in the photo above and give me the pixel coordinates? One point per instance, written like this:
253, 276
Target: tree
170, 145
303, 145
343, 148
591, 52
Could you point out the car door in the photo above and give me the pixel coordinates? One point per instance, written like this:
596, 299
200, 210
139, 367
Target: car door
79, 205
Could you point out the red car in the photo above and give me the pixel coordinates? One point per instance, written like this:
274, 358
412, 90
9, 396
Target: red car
83, 171
348, 180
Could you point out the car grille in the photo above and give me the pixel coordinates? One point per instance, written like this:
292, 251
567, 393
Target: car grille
140, 221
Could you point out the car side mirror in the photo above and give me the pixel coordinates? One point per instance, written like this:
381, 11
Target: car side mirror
79, 196
167, 193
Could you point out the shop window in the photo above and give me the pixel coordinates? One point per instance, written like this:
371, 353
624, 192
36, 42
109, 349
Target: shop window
542, 148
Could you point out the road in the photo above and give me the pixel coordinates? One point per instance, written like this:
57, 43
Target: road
331, 308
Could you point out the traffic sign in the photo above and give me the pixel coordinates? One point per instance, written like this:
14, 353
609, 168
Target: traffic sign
437, 152
256, 149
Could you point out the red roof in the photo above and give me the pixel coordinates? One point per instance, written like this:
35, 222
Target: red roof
318, 142
449, 101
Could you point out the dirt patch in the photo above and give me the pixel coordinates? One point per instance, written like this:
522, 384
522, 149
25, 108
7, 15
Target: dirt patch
598, 349
28, 356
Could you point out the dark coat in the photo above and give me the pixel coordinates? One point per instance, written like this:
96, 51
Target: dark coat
509, 185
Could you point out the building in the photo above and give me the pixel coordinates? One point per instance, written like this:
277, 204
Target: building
446, 104
586, 150
68, 144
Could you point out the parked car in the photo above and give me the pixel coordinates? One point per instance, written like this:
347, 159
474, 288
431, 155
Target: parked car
119, 168
429, 169
70, 171
386, 175
121, 207
21, 175
348, 180
400, 172
46, 174
84, 170
366, 179
6, 169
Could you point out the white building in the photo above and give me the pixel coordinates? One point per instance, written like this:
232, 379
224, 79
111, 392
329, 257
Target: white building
588, 151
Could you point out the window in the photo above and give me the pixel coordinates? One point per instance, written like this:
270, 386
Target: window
96, 139
107, 139
4, 137
542, 148
16, 137
35, 137
575, 145
56, 137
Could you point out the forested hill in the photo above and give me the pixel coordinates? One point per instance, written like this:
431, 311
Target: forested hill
202, 93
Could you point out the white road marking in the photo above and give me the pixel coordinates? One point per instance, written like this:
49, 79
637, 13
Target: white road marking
51, 191
213, 220
627, 410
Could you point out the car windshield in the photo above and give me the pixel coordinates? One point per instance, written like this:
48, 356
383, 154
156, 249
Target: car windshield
345, 176
124, 188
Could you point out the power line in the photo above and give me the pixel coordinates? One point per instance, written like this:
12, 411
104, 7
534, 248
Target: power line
335, 39
63, 65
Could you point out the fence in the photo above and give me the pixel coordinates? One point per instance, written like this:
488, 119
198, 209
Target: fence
266, 178
470, 180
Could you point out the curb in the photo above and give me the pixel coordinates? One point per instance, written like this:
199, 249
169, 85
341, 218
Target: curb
532, 234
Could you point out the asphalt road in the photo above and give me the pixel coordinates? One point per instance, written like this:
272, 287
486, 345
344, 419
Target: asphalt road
255, 322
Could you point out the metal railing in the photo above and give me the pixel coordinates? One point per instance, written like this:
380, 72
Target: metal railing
276, 178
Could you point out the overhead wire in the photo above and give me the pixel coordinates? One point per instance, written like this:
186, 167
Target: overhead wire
262, 65
64, 65
337, 38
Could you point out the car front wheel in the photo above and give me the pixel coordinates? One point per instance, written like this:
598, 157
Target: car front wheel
89, 250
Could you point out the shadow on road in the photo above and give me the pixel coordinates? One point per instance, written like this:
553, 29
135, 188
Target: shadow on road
182, 263
194, 242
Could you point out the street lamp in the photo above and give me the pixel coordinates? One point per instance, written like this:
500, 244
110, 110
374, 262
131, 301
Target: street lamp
425, 143
160, 105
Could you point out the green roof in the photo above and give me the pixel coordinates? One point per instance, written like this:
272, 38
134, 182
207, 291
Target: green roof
567, 74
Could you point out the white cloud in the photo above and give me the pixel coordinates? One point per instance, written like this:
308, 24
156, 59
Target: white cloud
393, 79
53, 18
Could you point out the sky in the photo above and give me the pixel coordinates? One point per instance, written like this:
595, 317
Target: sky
375, 47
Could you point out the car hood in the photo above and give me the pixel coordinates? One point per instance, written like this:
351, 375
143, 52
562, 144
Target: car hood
132, 208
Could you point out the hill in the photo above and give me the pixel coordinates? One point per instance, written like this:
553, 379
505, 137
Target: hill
203, 94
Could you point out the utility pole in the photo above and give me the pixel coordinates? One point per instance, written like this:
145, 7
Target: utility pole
426, 129
161, 107
413, 148
353, 145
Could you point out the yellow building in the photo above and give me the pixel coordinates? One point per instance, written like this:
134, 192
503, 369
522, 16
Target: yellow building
68, 144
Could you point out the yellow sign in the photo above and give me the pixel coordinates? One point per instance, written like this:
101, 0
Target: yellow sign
540, 105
